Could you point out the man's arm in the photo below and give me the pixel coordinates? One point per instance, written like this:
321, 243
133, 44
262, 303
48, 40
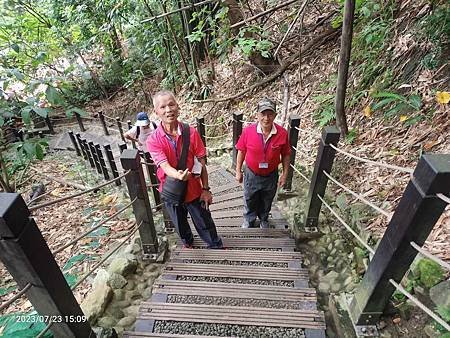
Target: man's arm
239, 161
132, 135
286, 159
206, 194
172, 172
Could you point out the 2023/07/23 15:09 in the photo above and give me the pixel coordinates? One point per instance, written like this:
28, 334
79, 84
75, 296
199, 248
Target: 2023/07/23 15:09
53, 319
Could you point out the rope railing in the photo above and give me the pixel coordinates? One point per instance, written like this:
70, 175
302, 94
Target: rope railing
148, 163
300, 173
155, 208
379, 164
372, 251
110, 118
444, 198
65, 198
430, 256
90, 272
308, 132
299, 150
217, 137
216, 124
361, 198
420, 304
58, 250
16, 297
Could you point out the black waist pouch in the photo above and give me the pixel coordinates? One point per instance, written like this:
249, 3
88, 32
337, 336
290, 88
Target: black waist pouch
174, 190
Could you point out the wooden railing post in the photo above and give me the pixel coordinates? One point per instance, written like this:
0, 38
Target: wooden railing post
88, 153
74, 142
131, 160
112, 163
294, 123
49, 125
129, 127
102, 121
414, 218
119, 125
101, 161
151, 170
81, 145
95, 157
28, 259
80, 121
201, 128
324, 161
122, 147
237, 131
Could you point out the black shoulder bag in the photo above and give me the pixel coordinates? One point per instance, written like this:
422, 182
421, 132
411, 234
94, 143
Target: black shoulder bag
174, 190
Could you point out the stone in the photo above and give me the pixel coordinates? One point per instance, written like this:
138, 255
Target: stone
405, 310
132, 310
119, 295
126, 321
147, 293
431, 332
131, 284
96, 301
141, 287
324, 287
117, 281
100, 279
336, 287
107, 322
122, 266
123, 303
114, 311
101, 332
132, 295
152, 267
440, 294
330, 276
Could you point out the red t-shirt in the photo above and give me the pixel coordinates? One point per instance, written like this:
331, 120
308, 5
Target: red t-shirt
162, 149
251, 143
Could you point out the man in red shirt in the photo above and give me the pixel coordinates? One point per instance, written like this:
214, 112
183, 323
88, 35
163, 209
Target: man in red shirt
165, 145
263, 146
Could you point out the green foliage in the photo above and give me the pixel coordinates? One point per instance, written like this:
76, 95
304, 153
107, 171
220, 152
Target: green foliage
73, 260
258, 43
11, 327
431, 273
395, 104
444, 312
351, 136
5, 291
325, 113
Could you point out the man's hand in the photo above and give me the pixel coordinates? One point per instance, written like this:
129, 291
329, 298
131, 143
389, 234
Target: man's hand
282, 180
206, 196
183, 175
238, 176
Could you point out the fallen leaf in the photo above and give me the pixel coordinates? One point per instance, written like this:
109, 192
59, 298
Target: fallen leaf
403, 118
428, 145
443, 97
367, 111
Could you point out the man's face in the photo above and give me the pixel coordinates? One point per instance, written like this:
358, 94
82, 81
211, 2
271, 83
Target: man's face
266, 118
166, 108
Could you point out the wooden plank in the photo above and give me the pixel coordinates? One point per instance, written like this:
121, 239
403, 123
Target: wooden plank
252, 232
228, 197
241, 255
227, 204
221, 188
227, 214
234, 271
274, 243
277, 293
252, 316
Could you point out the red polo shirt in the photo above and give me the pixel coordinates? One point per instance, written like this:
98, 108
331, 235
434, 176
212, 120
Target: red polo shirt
251, 143
162, 149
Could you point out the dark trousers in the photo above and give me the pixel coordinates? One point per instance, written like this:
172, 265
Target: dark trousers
203, 222
259, 192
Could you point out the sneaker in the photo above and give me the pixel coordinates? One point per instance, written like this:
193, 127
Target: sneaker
264, 225
245, 225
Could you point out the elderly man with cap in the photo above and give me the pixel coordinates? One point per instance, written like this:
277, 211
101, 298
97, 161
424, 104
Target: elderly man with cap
263, 146
141, 131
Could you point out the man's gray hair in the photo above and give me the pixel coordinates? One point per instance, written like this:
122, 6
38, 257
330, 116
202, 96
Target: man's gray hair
162, 93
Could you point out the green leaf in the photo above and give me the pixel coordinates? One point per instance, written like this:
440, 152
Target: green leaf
2, 121
391, 95
415, 101
15, 47
53, 96
71, 279
25, 113
413, 120
102, 231
73, 110
73, 260
383, 103
29, 149
41, 111
19, 76
394, 110
39, 151
4, 291
341, 202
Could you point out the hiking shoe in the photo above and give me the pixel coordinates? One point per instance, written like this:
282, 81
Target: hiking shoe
264, 225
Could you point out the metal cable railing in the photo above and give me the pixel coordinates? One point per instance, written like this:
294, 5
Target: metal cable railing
420, 304
16, 297
361, 198
444, 198
379, 164
372, 251
300, 173
58, 250
430, 256
91, 271
65, 198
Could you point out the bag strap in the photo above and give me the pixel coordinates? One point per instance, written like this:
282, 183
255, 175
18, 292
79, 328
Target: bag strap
185, 134
138, 132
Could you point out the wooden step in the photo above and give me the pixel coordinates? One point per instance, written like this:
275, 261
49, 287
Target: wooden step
221, 188
236, 203
236, 195
277, 293
253, 232
235, 271
271, 243
237, 255
254, 316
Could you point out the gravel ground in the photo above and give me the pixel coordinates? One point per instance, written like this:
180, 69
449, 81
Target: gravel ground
238, 280
226, 262
229, 301
188, 328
